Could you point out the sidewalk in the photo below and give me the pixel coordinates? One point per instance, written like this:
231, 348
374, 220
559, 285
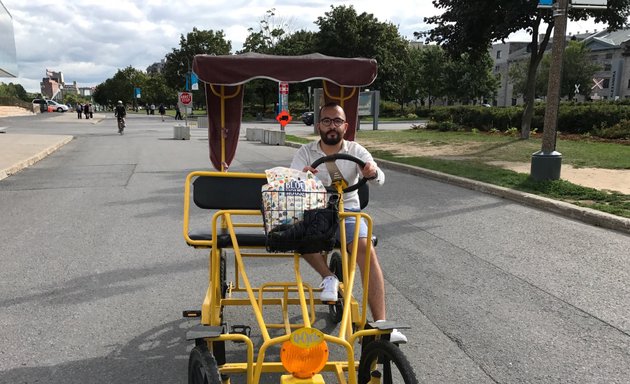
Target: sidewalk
18, 151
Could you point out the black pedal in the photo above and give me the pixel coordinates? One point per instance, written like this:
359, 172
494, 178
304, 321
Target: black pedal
241, 330
191, 313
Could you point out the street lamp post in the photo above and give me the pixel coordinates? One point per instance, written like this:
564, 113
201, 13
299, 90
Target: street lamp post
547, 162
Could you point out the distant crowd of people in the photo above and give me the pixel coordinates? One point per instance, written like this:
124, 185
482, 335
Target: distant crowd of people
86, 109
150, 108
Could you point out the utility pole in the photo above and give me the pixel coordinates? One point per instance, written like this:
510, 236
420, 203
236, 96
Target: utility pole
547, 162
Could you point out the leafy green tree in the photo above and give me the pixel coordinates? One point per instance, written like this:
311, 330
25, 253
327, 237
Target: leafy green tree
14, 90
344, 33
120, 87
433, 62
299, 43
156, 91
179, 62
471, 26
269, 34
577, 69
414, 85
271, 38
470, 80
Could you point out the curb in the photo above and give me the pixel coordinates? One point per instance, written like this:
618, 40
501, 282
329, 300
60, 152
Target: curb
4, 173
583, 214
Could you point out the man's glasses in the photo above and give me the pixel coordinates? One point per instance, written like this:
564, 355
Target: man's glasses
326, 121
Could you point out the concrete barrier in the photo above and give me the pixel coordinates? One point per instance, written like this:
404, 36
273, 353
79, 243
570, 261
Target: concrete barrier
181, 132
254, 134
202, 122
273, 137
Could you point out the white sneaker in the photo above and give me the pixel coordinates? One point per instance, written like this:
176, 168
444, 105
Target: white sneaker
330, 286
396, 336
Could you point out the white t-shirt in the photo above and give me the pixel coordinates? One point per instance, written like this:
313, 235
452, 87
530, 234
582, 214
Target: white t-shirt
351, 172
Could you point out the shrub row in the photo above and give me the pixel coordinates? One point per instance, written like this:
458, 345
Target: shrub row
610, 120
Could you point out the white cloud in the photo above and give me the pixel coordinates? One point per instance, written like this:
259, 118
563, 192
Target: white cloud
90, 40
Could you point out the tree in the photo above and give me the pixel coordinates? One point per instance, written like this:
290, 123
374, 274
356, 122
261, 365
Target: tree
433, 79
270, 32
577, 69
179, 62
471, 26
413, 73
343, 33
470, 80
120, 87
13, 90
156, 91
299, 43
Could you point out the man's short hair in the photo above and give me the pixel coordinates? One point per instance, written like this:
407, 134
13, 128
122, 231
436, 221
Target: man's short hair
330, 104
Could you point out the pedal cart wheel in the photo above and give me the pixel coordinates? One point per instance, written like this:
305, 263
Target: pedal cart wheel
336, 310
383, 362
202, 367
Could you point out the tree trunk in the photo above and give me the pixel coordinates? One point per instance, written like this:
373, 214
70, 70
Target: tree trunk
537, 52
530, 94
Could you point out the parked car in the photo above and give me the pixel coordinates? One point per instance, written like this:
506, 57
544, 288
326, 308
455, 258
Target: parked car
56, 106
308, 117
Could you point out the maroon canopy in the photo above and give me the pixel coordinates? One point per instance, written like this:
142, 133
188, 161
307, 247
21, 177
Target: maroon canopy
224, 76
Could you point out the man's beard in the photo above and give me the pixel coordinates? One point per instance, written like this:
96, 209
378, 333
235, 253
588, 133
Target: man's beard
334, 140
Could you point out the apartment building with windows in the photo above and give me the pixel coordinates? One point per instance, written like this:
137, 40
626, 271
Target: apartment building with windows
611, 50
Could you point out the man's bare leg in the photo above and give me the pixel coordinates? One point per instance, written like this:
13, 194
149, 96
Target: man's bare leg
318, 262
376, 288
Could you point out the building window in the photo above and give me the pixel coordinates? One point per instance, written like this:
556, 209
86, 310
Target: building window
607, 67
606, 83
628, 84
609, 55
498, 54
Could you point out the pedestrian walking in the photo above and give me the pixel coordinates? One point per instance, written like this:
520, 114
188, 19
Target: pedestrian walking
178, 113
162, 110
79, 110
86, 110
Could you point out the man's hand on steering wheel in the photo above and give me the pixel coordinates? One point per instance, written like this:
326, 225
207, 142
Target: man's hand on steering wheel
342, 156
369, 171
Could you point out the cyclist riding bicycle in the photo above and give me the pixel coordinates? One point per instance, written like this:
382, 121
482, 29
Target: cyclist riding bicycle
120, 112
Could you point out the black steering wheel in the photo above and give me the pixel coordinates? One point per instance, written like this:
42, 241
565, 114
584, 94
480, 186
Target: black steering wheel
342, 156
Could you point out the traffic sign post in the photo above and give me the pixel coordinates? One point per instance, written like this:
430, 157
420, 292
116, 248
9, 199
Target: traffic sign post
284, 118
185, 102
283, 101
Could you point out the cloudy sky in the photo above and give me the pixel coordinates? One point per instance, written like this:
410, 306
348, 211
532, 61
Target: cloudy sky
89, 40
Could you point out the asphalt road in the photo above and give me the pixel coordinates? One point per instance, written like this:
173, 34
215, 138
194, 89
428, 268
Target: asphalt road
95, 272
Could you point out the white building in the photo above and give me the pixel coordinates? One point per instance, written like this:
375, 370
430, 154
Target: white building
611, 50
8, 62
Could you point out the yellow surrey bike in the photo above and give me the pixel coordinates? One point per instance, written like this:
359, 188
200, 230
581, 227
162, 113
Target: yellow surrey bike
291, 351
304, 350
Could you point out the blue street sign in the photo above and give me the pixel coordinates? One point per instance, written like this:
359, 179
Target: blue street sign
194, 81
545, 2
137, 92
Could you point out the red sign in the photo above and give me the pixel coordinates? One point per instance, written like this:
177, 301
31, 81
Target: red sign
284, 88
185, 98
284, 118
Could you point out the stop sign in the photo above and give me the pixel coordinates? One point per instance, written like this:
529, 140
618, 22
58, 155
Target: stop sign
185, 98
